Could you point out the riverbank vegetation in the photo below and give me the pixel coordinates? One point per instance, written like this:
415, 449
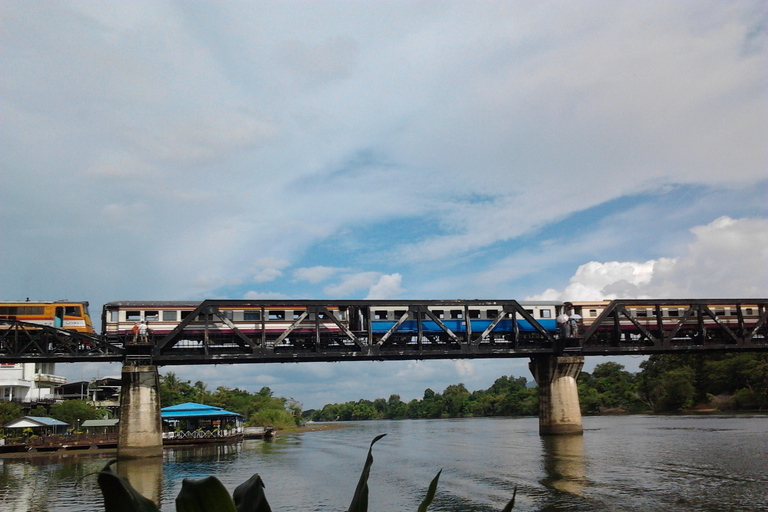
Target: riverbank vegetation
260, 409
666, 383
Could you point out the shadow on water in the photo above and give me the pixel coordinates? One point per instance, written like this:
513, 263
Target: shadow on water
564, 463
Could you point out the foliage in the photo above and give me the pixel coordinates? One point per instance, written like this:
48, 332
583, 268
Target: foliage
508, 396
9, 411
667, 383
260, 409
74, 411
210, 495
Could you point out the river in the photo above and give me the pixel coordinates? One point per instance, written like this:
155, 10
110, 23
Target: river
621, 463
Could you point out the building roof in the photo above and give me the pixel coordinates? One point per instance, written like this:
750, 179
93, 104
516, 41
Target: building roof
101, 423
34, 421
193, 410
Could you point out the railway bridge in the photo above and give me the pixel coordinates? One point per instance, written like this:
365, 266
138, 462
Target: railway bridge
207, 335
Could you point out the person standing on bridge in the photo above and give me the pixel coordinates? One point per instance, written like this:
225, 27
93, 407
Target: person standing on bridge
143, 331
135, 331
564, 324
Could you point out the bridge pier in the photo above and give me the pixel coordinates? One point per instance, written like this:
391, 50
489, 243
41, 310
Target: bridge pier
140, 431
559, 410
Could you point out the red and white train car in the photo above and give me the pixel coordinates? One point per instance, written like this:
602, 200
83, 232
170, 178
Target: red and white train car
162, 317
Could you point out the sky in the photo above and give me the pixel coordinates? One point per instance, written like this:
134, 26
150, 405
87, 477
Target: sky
510, 149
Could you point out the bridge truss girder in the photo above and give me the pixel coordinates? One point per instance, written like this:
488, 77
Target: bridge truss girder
618, 331
332, 339
22, 341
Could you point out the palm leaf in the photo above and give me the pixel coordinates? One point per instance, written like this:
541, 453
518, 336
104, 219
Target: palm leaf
511, 504
360, 499
204, 495
249, 496
430, 493
119, 494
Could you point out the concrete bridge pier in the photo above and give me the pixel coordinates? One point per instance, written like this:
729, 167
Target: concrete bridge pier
140, 431
559, 411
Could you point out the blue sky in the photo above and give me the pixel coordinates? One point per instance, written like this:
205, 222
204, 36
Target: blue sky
415, 150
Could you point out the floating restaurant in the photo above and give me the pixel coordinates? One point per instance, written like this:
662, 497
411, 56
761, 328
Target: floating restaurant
199, 423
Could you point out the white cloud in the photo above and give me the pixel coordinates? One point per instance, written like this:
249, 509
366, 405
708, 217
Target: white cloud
352, 283
728, 258
387, 287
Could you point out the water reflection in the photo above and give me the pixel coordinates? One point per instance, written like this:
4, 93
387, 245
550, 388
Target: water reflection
145, 475
564, 463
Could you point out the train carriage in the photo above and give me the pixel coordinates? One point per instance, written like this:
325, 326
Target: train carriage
259, 321
476, 318
686, 321
62, 314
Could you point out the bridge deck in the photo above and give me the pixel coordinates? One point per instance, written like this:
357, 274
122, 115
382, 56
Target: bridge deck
418, 332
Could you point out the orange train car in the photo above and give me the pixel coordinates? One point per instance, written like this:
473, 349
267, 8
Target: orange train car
62, 314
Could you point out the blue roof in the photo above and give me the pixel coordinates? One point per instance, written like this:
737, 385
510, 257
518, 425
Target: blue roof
193, 410
34, 421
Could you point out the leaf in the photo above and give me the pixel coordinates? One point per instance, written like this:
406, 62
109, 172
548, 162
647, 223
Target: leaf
204, 495
430, 493
360, 499
119, 494
511, 504
249, 496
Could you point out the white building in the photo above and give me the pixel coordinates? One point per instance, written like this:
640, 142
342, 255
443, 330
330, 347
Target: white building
28, 382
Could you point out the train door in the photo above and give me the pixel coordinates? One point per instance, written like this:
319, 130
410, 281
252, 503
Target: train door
58, 319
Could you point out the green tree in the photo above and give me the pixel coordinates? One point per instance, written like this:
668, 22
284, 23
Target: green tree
9, 411
75, 412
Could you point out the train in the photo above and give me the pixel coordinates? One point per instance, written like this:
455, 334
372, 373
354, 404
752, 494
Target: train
298, 322
61, 314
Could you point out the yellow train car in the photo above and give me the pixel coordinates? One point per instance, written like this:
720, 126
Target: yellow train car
63, 314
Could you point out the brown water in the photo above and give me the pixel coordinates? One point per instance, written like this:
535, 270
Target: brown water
622, 463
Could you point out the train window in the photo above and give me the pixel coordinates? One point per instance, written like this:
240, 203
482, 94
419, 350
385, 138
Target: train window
228, 314
33, 310
529, 311
380, 315
545, 313
133, 315
205, 317
474, 313
642, 313
399, 313
674, 312
748, 312
113, 316
297, 314
185, 314
720, 312
322, 316
457, 314
593, 312
169, 316
277, 315
491, 313
252, 316
72, 311
151, 316
439, 313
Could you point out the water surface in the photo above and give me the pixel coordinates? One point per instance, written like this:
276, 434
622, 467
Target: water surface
621, 463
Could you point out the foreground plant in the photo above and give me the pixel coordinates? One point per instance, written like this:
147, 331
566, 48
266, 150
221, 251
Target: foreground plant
209, 494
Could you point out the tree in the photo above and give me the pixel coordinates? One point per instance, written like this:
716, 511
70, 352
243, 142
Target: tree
9, 411
75, 412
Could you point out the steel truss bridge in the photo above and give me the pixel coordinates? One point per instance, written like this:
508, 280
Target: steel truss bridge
618, 330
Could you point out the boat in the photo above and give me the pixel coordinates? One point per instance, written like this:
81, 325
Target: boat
259, 432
